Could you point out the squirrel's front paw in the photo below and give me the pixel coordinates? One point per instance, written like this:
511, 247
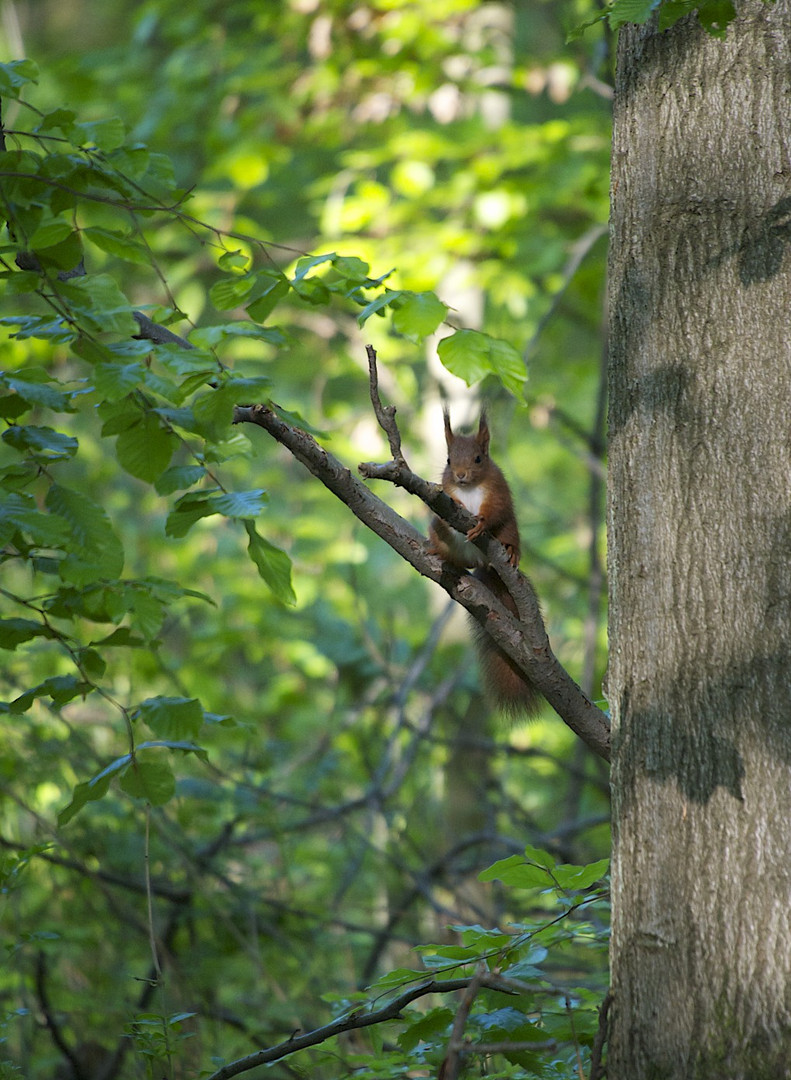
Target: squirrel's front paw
477, 530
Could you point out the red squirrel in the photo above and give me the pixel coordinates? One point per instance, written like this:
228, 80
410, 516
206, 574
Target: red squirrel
473, 479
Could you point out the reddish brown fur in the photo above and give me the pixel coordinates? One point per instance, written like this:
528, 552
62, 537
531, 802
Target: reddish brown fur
471, 475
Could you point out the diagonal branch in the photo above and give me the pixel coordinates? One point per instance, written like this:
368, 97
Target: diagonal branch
525, 641
353, 1021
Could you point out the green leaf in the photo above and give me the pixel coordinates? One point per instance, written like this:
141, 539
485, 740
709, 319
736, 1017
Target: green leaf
230, 292
208, 337
117, 381
715, 15
296, 420
15, 75
196, 505
313, 290
98, 301
188, 510
673, 10
172, 717
148, 612
580, 877
418, 314
214, 409
105, 134
274, 565
150, 780
91, 790
66, 254
538, 855
41, 443
308, 262
145, 449
178, 477
176, 744
377, 306
43, 530
472, 355
526, 967
427, 1029
14, 631
57, 118
266, 299
121, 638
518, 873
233, 260
630, 11
95, 551
121, 245
36, 389
49, 234
117, 416
91, 662
45, 327
352, 268
240, 504
60, 688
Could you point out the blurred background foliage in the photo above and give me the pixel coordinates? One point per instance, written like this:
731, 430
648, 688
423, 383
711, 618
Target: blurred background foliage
348, 784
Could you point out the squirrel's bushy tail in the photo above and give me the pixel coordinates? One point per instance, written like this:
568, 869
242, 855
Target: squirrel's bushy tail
507, 686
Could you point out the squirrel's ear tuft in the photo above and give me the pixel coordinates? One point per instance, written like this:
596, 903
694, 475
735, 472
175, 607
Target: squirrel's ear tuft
448, 428
483, 432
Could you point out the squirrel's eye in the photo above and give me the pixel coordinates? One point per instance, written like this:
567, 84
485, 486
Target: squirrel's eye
478, 459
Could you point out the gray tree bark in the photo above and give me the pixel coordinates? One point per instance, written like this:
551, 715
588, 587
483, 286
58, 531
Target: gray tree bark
700, 551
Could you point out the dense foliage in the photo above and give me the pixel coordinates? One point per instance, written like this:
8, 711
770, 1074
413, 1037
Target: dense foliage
247, 771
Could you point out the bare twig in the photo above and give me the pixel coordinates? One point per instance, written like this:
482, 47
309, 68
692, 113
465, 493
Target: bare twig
525, 641
152, 937
600, 1038
577, 1051
511, 1047
451, 1065
160, 335
51, 1023
385, 416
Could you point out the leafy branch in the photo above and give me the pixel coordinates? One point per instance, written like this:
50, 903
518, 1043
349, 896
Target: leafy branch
357, 1019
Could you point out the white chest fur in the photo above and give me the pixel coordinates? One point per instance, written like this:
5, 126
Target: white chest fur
469, 497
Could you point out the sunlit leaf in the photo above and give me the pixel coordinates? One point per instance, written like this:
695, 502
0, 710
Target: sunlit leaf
121, 245
418, 314
472, 355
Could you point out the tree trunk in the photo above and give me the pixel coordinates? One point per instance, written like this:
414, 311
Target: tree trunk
700, 551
